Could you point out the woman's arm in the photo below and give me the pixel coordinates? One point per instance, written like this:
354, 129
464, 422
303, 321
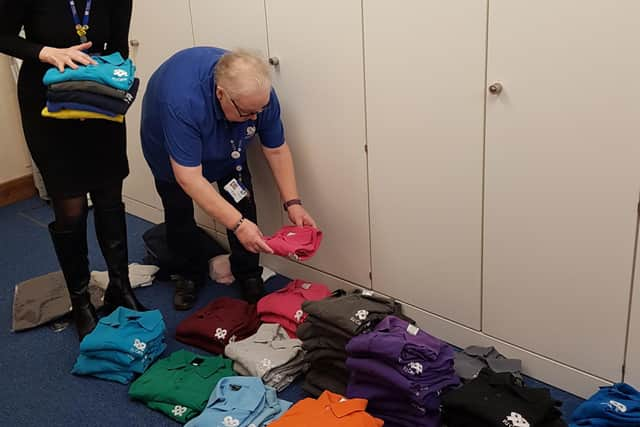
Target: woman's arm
12, 13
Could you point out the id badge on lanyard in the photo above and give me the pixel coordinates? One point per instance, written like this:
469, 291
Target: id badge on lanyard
235, 187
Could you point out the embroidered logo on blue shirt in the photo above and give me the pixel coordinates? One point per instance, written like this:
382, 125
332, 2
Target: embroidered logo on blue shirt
616, 406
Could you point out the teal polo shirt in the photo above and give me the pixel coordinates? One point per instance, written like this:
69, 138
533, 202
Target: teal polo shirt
128, 339
111, 70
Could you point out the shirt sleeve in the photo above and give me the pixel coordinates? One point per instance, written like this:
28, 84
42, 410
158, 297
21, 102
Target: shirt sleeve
182, 137
12, 14
120, 22
270, 128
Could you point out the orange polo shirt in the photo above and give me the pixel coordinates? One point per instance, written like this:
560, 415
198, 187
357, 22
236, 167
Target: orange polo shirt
330, 410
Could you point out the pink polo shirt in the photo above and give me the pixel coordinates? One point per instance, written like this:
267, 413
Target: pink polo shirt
285, 305
297, 243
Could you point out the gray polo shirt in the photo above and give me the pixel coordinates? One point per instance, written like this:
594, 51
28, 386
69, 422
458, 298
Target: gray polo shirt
269, 354
353, 312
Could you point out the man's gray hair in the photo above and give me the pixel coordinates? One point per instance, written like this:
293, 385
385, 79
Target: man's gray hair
241, 72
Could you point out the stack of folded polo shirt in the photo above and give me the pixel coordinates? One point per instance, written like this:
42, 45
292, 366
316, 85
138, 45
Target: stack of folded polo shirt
104, 90
401, 371
220, 322
330, 324
269, 354
296, 243
499, 400
241, 402
617, 405
284, 306
123, 344
179, 386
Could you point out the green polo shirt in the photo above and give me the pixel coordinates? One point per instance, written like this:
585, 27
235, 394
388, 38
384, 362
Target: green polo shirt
180, 385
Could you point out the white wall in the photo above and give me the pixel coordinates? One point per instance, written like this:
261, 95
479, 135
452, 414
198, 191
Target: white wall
14, 160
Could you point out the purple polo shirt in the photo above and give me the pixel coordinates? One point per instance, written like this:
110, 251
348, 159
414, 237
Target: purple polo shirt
429, 382
364, 385
392, 340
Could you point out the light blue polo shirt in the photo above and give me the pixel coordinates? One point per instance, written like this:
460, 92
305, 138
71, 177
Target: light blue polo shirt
111, 70
182, 119
240, 402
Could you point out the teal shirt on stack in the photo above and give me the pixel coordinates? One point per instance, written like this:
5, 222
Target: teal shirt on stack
124, 343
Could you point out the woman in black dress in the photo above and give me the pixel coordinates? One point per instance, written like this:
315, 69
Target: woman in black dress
75, 157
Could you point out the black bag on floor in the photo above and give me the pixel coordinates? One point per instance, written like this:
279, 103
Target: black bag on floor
158, 253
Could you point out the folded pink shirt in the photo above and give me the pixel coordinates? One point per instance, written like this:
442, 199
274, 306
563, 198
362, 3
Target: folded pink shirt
285, 305
297, 243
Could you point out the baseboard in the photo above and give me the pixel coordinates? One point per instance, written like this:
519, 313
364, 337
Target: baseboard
144, 211
18, 189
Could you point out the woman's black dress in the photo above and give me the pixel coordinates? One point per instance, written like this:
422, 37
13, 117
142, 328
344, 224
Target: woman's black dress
73, 156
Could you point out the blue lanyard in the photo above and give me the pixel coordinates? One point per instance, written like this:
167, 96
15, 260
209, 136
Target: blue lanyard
81, 28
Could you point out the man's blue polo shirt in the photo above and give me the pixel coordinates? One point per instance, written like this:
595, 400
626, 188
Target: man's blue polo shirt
182, 118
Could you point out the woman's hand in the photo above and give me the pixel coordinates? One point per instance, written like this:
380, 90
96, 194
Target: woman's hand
71, 56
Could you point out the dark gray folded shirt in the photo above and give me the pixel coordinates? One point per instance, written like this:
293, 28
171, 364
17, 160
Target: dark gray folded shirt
354, 312
469, 363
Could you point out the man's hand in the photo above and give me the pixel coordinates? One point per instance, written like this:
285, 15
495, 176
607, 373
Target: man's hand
251, 238
70, 56
299, 216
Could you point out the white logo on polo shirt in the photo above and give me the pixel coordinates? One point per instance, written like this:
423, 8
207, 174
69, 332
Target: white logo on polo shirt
616, 406
139, 345
264, 366
251, 130
179, 410
413, 368
230, 422
119, 72
515, 420
362, 314
359, 317
298, 316
221, 333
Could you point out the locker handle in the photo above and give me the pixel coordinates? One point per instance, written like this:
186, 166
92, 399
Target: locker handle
495, 88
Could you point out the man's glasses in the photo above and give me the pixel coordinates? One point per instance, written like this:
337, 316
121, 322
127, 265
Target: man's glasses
240, 112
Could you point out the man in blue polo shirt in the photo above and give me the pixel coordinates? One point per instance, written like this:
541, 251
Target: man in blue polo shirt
201, 109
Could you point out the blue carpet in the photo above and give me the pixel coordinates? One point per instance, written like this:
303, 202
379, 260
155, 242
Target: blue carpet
36, 388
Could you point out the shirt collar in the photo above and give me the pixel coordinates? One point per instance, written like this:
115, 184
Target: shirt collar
231, 393
340, 406
205, 367
148, 320
275, 335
